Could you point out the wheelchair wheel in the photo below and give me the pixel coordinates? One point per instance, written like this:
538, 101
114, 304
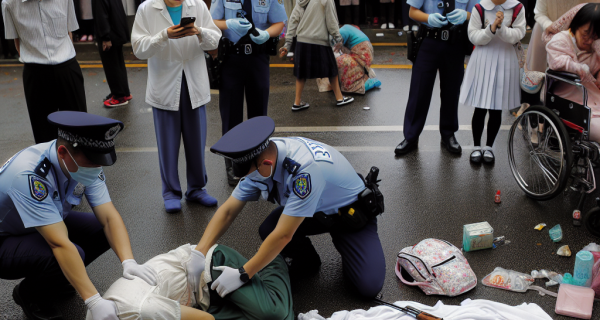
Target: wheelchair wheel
591, 220
539, 152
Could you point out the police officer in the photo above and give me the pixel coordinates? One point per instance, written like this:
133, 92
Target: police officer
311, 182
245, 67
439, 50
41, 238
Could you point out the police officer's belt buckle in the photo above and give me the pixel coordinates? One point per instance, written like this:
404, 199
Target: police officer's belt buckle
445, 35
248, 48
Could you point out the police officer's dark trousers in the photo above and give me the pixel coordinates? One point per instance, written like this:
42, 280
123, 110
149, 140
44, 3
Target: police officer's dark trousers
29, 256
434, 55
243, 74
50, 88
362, 255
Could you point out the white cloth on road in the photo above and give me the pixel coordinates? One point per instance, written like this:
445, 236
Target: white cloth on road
468, 310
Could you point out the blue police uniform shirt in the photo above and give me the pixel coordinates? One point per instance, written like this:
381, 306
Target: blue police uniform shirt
265, 13
431, 6
28, 200
323, 181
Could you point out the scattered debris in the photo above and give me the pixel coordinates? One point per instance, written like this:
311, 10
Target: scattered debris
379, 34
564, 251
540, 226
497, 197
556, 233
366, 108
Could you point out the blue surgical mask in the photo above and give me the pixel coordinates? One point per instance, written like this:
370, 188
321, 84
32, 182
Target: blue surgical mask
84, 175
265, 184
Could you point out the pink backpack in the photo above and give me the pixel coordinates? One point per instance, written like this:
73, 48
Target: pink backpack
437, 267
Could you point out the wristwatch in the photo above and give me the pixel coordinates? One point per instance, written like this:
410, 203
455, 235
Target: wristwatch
243, 275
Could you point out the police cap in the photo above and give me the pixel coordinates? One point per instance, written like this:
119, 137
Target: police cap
92, 134
245, 142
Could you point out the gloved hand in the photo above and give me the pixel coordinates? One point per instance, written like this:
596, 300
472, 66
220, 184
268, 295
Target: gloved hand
227, 282
133, 269
101, 309
437, 20
457, 16
261, 38
239, 25
194, 269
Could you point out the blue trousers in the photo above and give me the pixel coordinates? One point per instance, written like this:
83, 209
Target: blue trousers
170, 126
434, 55
243, 74
29, 256
362, 255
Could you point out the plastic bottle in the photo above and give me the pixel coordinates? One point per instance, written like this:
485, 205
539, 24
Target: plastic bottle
568, 278
584, 261
497, 197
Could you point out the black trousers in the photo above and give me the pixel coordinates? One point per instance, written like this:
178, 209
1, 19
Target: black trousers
29, 256
50, 88
243, 74
449, 59
114, 69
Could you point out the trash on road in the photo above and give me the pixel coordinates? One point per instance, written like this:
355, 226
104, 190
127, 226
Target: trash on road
497, 197
564, 251
556, 233
540, 226
477, 236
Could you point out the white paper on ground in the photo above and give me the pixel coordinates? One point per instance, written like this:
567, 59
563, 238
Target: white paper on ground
468, 310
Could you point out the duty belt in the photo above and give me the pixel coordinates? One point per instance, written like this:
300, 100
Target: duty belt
435, 33
245, 48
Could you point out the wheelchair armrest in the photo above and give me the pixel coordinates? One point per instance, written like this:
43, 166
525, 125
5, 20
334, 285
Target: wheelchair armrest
564, 75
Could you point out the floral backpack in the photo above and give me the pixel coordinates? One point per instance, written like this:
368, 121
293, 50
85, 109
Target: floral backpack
437, 267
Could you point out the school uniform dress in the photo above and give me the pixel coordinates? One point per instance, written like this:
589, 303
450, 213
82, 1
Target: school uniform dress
492, 77
178, 88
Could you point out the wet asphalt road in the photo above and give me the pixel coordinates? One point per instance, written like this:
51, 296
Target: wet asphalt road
429, 193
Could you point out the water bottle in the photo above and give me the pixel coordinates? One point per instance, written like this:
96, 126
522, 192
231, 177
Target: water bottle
584, 261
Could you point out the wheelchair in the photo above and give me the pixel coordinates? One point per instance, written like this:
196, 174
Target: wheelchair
549, 149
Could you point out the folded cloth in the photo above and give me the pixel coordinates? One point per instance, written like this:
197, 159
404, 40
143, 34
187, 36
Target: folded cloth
468, 310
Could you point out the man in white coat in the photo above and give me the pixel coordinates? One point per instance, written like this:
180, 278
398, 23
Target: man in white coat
178, 89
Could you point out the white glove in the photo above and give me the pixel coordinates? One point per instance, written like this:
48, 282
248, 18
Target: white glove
101, 309
227, 282
194, 269
133, 269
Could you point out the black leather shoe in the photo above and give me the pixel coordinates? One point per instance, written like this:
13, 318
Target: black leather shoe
34, 310
231, 178
405, 147
452, 145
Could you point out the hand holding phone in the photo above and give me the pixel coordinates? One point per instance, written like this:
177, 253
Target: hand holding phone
186, 21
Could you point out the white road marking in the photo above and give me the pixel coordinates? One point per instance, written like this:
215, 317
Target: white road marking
389, 149
367, 128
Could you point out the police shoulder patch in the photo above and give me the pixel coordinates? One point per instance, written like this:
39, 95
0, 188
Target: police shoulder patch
79, 190
302, 186
38, 188
101, 176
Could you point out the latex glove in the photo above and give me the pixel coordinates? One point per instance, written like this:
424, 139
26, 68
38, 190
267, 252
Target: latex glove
227, 282
239, 26
101, 309
437, 20
457, 16
133, 269
194, 269
261, 38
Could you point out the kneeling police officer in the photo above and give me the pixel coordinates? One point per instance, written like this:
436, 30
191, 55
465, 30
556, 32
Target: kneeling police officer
318, 192
41, 238
251, 31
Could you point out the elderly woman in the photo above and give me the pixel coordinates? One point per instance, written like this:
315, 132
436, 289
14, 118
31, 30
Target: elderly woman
354, 64
572, 47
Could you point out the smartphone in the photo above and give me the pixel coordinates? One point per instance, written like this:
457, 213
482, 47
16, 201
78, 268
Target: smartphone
187, 20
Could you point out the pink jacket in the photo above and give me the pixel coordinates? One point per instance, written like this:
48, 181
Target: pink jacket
563, 55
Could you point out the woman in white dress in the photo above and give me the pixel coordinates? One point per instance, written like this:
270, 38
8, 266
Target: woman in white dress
492, 76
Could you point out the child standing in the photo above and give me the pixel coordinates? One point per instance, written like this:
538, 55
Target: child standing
492, 76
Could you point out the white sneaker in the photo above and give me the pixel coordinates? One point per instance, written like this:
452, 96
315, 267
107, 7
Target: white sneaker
384, 26
344, 101
303, 105
391, 26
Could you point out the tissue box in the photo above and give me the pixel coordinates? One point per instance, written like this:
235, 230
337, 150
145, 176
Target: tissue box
575, 301
477, 236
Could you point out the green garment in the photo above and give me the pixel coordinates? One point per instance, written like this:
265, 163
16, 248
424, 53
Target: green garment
267, 296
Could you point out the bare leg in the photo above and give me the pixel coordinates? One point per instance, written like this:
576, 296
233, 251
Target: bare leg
299, 88
188, 313
335, 85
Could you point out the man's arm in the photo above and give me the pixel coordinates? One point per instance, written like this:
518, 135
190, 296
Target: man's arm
219, 223
273, 244
114, 229
65, 252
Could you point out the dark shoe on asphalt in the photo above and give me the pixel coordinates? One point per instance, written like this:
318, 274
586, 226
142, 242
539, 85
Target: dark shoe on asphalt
488, 156
476, 156
232, 179
35, 310
344, 101
405, 147
303, 105
452, 145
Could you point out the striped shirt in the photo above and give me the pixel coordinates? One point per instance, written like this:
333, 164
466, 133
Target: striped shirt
42, 27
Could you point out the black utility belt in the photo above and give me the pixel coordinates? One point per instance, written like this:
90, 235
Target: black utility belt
269, 47
437, 33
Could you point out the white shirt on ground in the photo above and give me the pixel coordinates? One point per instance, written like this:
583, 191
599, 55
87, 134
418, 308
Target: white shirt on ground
42, 28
